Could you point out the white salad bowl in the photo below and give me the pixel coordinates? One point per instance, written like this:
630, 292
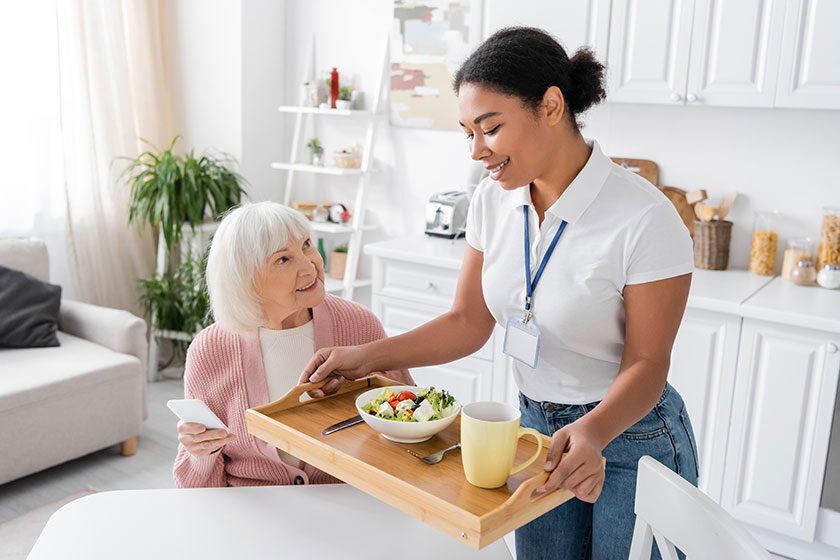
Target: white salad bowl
402, 432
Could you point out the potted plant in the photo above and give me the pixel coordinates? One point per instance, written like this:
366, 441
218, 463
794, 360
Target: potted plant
170, 191
316, 152
338, 260
345, 93
178, 300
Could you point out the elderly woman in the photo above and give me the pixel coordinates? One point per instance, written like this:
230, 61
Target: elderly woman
266, 284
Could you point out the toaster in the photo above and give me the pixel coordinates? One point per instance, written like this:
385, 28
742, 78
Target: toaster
446, 214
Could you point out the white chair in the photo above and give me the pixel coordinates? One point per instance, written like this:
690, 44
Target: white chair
678, 514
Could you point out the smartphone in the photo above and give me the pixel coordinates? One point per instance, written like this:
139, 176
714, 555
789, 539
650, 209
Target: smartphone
195, 410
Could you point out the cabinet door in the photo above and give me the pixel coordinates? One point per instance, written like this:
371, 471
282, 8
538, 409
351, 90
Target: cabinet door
782, 408
649, 50
703, 365
735, 52
809, 75
574, 23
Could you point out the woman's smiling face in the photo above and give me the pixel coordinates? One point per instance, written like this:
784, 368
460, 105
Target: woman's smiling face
292, 280
508, 139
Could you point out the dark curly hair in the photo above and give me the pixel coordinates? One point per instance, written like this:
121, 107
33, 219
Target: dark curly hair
525, 61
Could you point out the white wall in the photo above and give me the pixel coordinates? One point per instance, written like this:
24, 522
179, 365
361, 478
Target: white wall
775, 158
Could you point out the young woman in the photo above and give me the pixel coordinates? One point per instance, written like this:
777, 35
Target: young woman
566, 247
266, 284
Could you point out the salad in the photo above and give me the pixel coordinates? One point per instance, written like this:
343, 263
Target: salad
405, 406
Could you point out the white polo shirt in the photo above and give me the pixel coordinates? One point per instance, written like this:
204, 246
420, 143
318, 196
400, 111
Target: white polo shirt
621, 230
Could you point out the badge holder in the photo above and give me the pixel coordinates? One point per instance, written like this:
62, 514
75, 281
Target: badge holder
522, 341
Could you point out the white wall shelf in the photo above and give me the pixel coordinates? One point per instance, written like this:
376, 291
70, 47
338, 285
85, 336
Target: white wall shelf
318, 111
357, 226
323, 170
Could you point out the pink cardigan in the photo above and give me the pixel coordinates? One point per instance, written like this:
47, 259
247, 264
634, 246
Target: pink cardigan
226, 371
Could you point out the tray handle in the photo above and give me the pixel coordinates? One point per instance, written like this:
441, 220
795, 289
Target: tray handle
522, 495
292, 398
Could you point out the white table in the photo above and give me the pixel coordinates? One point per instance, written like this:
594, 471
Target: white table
329, 521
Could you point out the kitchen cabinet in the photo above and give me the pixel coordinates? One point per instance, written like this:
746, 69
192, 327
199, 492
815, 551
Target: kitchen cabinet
703, 52
756, 360
414, 281
648, 52
809, 73
574, 23
782, 410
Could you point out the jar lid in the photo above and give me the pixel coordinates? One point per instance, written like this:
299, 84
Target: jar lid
831, 267
805, 264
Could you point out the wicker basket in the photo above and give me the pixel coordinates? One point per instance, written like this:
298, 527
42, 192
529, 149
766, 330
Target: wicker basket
711, 244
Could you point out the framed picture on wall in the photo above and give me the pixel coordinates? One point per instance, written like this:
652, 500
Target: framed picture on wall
429, 41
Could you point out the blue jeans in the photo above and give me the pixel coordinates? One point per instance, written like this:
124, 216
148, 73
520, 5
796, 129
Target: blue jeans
603, 530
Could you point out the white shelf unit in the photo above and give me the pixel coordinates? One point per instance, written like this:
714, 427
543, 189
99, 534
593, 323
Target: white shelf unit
356, 227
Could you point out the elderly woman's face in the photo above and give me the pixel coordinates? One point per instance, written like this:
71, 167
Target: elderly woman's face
292, 280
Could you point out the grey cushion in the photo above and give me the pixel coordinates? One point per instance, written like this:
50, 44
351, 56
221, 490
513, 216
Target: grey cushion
28, 310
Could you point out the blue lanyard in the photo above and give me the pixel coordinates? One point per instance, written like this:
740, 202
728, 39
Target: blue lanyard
529, 285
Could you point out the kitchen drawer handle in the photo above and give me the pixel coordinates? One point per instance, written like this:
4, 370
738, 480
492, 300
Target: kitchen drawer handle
832, 348
691, 98
430, 285
676, 97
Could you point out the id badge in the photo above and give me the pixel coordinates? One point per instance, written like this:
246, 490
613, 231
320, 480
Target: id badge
522, 341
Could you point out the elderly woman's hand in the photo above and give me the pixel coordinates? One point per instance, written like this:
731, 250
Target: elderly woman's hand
345, 362
198, 440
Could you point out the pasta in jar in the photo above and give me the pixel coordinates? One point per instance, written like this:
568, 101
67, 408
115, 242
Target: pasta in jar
829, 251
765, 243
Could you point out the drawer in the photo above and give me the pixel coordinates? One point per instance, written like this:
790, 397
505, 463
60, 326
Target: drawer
467, 379
416, 282
399, 316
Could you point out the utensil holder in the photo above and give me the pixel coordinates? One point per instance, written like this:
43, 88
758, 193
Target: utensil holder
711, 244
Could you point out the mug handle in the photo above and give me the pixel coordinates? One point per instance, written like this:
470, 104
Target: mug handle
538, 436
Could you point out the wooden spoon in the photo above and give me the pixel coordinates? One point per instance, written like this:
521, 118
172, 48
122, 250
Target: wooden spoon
698, 211
725, 205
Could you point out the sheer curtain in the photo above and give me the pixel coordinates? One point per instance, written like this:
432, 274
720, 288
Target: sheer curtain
114, 90
32, 178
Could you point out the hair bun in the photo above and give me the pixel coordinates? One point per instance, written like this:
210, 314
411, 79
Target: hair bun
587, 76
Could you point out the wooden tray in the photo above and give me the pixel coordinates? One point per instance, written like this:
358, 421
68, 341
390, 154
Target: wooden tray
438, 495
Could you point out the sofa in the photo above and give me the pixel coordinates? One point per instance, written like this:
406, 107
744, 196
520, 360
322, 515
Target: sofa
89, 393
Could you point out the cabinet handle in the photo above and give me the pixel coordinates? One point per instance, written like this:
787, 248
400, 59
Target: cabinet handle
691, 98
430, 285
831, 347
676, 97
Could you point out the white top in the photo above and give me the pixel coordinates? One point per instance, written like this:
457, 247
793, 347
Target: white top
621, 230
306, 521
285, 354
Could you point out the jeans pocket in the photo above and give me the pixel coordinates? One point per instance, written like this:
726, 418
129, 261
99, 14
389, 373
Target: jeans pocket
649, 427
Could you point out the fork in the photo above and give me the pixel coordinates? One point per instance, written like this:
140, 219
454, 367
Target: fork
436, 457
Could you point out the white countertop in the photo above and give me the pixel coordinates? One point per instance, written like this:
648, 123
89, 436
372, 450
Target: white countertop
723, 290
421, 249
726, 291
803, 306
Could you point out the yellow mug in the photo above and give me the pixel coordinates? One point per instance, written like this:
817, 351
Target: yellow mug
490, 433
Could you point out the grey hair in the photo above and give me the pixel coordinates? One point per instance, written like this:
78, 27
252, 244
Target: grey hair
248, 235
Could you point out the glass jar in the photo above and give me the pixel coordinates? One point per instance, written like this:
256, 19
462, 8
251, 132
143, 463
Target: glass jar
799, 249
829, 276
320, 214
765, 243
804, 273
829, 252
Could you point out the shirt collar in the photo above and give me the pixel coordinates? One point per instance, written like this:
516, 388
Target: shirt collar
579, 194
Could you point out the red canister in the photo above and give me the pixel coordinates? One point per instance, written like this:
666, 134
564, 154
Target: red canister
333, 87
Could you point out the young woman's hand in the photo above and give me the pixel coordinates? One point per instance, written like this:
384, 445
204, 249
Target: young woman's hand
198, 440
345, 362
581, 470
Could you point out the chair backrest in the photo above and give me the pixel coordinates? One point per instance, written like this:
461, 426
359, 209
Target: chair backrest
676, 513
26, 254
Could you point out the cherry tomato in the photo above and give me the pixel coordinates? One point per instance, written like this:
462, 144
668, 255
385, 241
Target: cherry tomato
393, 401
405, 395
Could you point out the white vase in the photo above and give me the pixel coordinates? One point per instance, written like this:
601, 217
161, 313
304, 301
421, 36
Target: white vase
342, 104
